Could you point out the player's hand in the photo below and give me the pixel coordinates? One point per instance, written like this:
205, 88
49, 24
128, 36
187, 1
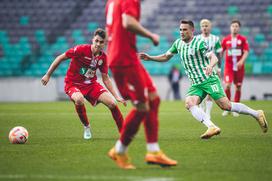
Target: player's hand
45, 79
239, 64
208, 70
144, 56
119, 99
219, 72
155, 38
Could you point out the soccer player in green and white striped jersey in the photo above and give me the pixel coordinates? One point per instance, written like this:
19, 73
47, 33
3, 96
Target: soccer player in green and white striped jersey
213, 44
198, 63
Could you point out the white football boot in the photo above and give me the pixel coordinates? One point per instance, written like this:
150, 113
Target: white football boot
87, 133
225, 113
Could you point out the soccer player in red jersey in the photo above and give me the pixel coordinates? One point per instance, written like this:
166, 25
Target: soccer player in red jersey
236, 47
133, 81
81, 80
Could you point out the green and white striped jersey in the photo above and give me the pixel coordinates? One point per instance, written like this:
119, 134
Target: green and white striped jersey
193, 57
213, 42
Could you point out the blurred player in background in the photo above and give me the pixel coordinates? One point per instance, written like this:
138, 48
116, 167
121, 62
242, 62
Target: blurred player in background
213, 43
81, 81
133, 82
198, 62
174, 78
237, 48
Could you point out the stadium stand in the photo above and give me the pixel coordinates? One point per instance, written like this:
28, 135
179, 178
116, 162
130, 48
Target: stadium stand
33, 33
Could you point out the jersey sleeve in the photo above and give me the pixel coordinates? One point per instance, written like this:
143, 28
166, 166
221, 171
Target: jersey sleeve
204, 50
74, 52
104, 68
223, 44
245, 45
173, 49
130, 7
218, 47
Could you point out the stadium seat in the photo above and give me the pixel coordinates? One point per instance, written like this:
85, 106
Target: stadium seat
269, 9
92, 26
259, 38
35, 32
24, 20
232, 10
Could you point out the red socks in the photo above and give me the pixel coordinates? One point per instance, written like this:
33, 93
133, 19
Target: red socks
227, 91
81, 111
118, 117
131, 126
151, 123
237, 96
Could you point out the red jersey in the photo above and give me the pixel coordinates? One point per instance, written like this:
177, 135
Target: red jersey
82, 69
235, 48
122, 49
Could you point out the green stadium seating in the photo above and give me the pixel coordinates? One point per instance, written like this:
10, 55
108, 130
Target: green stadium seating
78, 37
176, 34
245, 31
259, 38
232, 10
257, 68
24, 20
267, 67
92, 26
216, 31
269, 9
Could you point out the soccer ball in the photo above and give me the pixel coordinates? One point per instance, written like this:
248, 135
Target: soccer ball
18, 135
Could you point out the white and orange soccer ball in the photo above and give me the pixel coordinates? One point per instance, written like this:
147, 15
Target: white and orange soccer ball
18, 135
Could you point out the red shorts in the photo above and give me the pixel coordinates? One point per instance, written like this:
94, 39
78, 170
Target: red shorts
91, 92
134, 83
236, 77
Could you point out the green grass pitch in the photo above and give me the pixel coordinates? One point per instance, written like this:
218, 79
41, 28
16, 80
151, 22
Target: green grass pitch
56, 150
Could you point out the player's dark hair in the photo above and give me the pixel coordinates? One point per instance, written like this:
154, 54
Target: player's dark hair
189, 22
236, 21
100, 32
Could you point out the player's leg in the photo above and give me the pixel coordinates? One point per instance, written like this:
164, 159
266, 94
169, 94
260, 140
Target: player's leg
78, 100
131, 87
151, 125
228, 78
202, 105
209, 104
191, 103
130, 127
225, 104
109, 101
238, 80
176, 91
237, 97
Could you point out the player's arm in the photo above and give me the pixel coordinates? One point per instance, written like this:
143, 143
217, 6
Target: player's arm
243, 59
53, 67
218, 50
223, 45
213, 61
107, 82
245, 46
158, 58
219, 63
133, 25
161, 58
